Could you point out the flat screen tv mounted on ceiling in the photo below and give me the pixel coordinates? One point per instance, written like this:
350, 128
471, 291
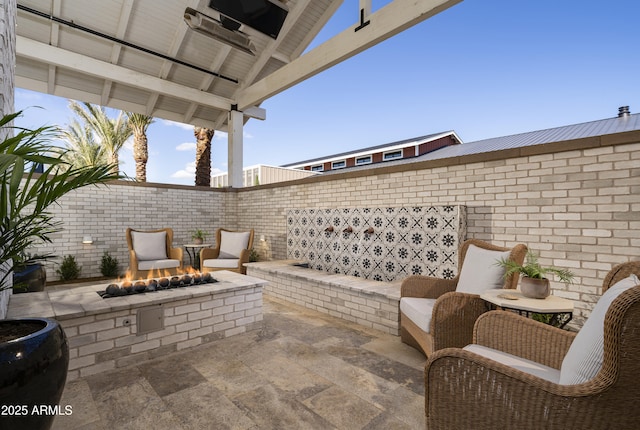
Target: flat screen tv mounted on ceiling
265, 16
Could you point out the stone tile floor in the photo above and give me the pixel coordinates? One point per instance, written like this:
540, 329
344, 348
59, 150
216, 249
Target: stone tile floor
302, 370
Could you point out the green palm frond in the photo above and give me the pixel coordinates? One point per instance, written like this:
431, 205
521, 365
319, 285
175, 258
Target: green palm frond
533, 269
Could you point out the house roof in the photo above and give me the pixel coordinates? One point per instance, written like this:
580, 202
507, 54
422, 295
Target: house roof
377, 148
141, 56
538, 137
556, 134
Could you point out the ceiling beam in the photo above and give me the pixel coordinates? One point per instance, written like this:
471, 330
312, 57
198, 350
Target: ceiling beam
42, 52
392, 19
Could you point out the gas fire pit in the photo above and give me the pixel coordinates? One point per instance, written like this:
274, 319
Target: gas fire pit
150, 285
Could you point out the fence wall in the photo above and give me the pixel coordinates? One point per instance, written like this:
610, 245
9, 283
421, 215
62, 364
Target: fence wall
577, 203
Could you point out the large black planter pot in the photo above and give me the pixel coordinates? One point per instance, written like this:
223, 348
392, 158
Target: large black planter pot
30, 279
33, 371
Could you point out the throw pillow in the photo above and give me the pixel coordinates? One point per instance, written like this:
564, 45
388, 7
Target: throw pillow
584, 358
480, 272
232, 244
150, 246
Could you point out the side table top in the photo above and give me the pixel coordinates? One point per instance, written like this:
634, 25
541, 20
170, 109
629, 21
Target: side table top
551, 304
197, 245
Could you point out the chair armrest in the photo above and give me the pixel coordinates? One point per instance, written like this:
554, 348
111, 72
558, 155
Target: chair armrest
133, 259
244, 256
426, 287
209, 253
466, 390
176, 254
453, 318
524, 337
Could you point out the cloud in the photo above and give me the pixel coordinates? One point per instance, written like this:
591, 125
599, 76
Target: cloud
177, 124
186, 146
189, 171
223, 135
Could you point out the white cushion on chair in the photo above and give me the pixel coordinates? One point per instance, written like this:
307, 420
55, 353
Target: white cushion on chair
418, 310
586, 353
232, 243
519, 363
221, 263
480, 272
158, 264
149, 246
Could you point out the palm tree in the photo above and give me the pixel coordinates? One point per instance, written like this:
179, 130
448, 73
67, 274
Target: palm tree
203, 155
139, 124
25, 197
111, 133
83, 150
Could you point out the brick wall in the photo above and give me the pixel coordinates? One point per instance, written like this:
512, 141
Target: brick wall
576, 202
7, 65
105, 212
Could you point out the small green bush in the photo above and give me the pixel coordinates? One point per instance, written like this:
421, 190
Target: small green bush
69, 268
253, 255
109, 265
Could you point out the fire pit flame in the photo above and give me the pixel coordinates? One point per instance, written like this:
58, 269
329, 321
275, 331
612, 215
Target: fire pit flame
127, 286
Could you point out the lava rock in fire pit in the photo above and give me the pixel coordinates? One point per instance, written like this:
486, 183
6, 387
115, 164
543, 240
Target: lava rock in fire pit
185, 280
175, 281
139, 286
127, 286
113, 289
197, 278
207, 277
152, 285
163, 283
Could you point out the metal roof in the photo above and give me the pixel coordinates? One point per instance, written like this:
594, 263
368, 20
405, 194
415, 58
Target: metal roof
557, 134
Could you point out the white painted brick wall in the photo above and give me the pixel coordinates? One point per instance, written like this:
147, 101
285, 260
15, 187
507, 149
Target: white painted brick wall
101, 342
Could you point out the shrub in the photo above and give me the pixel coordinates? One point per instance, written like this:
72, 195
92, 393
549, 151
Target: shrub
109, 265
69, 268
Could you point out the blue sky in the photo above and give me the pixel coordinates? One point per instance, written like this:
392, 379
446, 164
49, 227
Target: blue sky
483, 68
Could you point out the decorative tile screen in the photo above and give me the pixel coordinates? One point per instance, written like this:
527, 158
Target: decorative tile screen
404, 240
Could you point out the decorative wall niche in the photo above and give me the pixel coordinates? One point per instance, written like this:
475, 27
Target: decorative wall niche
384, 244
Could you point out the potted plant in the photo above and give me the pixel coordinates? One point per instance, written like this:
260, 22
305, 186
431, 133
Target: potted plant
534, 282
198, 236
34, 354
29, 275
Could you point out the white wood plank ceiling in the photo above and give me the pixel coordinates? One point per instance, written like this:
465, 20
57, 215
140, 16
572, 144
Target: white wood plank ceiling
140, 55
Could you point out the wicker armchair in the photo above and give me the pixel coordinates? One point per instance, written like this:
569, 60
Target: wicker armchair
150, 252
231, 252
468, 390
454, 312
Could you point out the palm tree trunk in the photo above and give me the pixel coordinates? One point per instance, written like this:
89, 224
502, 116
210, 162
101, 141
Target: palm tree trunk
203, 155
140, 155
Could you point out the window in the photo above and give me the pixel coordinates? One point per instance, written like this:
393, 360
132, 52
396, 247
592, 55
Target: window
392, 155
338, 164
363, 160
317, 168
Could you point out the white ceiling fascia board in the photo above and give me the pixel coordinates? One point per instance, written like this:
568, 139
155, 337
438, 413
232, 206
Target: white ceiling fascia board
38, 51
392, 19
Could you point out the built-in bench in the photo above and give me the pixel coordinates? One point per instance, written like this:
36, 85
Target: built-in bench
366, 302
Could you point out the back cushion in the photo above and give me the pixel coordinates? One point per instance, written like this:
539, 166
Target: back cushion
584, 358
150, 246
480, 271
232, 243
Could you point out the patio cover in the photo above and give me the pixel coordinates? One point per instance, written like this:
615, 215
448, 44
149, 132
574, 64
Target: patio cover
141, 56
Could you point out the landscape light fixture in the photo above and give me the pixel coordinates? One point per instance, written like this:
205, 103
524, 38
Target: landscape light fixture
226, 30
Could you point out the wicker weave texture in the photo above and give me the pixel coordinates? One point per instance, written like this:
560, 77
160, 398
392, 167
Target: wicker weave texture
454, 313
464, 390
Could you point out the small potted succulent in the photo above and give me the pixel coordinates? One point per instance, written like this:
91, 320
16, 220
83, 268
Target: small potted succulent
534, 282
198, 236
